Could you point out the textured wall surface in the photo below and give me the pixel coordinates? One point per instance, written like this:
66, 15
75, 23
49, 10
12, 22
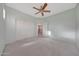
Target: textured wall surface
2, 36
77, 24
62, 25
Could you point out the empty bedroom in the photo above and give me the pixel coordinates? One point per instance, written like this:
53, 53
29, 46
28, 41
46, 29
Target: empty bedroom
39, 29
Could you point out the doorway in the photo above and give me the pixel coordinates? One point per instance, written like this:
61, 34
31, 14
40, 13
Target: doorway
42, 30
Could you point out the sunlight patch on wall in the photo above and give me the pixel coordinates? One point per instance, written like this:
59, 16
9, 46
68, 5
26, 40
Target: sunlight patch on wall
48, 33
3, 13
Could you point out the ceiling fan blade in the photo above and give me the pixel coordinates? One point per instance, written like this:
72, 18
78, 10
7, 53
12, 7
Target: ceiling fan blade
42, 14
46, 11
36, 8
45, 4
41, 7
37, 12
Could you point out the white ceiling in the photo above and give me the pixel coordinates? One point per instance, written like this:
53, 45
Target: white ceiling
55, 8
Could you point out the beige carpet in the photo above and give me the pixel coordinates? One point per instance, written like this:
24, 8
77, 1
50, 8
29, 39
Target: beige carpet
41, 47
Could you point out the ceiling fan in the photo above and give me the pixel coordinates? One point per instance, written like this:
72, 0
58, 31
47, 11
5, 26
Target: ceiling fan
42, 9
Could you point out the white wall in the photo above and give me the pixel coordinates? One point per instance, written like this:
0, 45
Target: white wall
62, 25
2, 31
77, 24
19, 25
25, 27
10, 26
